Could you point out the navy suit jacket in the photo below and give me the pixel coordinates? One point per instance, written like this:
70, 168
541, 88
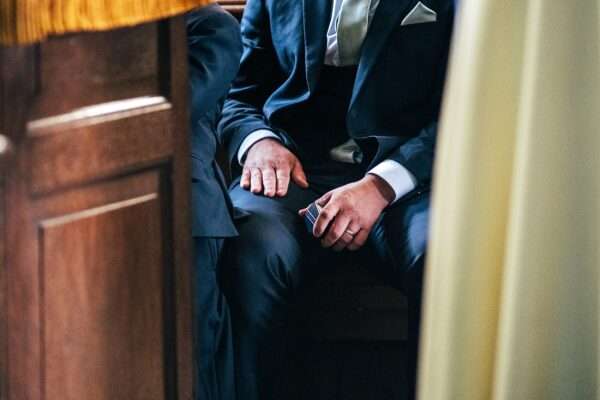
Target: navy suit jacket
397, 92
214, 50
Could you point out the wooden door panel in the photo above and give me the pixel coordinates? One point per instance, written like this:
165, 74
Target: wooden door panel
102, 323
95, 276
99, 141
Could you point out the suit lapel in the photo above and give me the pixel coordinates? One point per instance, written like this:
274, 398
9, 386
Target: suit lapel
387, 18
317, 15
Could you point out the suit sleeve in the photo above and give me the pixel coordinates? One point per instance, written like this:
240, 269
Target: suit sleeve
214, 51
258, 77
417, 154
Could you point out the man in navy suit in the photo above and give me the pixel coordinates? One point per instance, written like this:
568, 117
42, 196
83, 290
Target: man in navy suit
337, 102
214, 50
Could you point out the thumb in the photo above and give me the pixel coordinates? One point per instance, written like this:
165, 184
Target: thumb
298, 175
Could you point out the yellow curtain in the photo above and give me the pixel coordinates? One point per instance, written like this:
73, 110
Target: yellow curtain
26, 21
512, 288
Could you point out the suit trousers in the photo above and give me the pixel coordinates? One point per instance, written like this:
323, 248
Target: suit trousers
274, 256
213, 345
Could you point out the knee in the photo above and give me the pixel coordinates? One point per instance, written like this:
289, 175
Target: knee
262, 267
265, 248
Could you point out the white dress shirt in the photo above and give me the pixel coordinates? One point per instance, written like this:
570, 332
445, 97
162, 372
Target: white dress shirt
398, 177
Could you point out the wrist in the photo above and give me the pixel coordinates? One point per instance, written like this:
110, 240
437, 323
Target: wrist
264, 141
383, 189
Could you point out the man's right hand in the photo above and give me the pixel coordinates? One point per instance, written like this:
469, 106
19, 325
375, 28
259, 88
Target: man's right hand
269, 167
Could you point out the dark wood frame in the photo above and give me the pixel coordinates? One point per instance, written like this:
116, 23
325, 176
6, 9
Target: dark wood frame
235, 7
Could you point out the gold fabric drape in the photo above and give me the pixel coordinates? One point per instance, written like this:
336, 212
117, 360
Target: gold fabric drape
26, 21
512, 288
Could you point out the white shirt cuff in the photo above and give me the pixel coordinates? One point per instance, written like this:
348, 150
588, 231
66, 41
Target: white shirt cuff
251, 139
398, 177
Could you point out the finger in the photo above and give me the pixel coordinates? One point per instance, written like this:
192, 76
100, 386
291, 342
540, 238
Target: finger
255, 180
353, 228
325, 217
298, 175
283, 181
269, 181
348, 237
359, 240
245, 181
302, 212
343, 242
336, 231
322, 202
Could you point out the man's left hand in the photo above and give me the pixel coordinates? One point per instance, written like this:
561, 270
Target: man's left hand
348, 213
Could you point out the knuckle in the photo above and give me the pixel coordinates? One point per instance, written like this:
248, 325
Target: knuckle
283, 173
320, 226
271, 164
337, 232
345, 201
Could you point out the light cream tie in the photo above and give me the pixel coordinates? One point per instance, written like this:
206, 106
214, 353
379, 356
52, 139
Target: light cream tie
353, 23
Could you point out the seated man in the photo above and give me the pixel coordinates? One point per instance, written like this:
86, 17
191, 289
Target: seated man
214, 49
336, 102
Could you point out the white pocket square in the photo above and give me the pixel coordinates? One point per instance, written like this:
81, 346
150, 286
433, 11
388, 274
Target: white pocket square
420, 14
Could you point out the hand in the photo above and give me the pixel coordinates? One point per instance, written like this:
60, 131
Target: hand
349, 212
268, 168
